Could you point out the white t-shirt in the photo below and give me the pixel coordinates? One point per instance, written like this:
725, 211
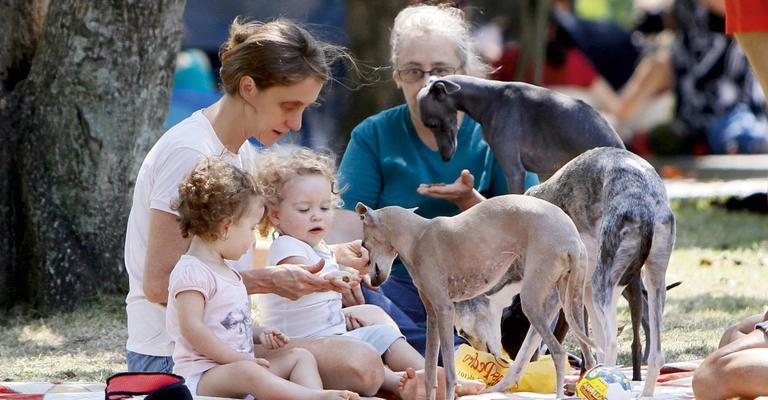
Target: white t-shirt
313, 315
168, 162
227, 313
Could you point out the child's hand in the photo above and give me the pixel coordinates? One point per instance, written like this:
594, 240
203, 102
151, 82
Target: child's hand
273, 339
343, 279
262, 361
353, 322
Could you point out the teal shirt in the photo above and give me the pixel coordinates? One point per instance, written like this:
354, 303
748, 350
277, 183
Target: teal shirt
385, 161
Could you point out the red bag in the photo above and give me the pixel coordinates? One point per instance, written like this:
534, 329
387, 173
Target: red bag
156, 385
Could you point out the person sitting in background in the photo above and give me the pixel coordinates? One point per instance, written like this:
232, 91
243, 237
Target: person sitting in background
566, 69
720, 108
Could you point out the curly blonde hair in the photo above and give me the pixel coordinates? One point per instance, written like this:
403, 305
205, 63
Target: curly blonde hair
215, 191
273, 168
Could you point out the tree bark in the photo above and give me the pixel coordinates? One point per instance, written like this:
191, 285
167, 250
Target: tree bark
93, 102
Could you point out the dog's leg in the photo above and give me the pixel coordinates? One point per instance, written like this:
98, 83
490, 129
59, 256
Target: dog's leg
591, 293
445, 324
655, 276
622, 239
430, 353
634, 295
530, 345
534, 310
513, 167
571, 293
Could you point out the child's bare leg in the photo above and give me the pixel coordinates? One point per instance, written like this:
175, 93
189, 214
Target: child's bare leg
297, 365
370, 314
246, 377
401, 356
333, 355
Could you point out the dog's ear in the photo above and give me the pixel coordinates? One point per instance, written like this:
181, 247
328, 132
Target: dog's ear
441, 88
365, 213
413, 210
451, 87
361, 210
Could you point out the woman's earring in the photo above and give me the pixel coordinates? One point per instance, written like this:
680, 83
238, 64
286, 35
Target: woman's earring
226, 235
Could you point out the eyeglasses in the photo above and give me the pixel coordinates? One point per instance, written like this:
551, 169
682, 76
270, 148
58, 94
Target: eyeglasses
410, 75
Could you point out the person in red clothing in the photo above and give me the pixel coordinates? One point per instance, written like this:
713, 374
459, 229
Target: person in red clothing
747, 21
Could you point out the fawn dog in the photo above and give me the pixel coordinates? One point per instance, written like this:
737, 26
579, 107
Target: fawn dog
457, 258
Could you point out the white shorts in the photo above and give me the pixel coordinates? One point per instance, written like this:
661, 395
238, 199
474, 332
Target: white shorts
378, 336
192, 381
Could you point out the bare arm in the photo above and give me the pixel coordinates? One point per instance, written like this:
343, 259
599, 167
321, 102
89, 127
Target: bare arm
164, 247
289, 281
652, 76
190, 305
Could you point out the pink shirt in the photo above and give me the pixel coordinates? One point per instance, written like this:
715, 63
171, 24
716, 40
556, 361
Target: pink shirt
227, 313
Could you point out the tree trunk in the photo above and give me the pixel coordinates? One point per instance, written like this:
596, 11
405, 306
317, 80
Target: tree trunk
79, 124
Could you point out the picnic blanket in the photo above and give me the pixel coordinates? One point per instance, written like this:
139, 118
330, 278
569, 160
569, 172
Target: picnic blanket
69, 391
674, 383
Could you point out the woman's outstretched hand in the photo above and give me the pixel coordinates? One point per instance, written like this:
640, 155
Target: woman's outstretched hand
461, 192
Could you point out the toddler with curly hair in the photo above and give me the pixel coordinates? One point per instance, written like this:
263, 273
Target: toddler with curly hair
209, 311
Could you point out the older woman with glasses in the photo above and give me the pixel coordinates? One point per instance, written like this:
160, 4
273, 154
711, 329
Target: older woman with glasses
392, 157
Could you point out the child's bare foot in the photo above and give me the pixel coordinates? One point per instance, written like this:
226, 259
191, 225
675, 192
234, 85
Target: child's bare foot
469, 387
339, 395
412, 386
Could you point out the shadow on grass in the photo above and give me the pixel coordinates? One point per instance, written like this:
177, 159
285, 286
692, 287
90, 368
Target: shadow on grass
733, 304
702, 225
693, 324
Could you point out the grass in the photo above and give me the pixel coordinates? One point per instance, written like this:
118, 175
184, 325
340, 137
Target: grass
722, 259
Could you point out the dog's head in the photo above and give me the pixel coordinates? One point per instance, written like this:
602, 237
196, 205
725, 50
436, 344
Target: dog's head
376, 241
477, 322
437, 111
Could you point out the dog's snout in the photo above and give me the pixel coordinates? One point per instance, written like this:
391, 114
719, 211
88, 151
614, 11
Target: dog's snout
375, 274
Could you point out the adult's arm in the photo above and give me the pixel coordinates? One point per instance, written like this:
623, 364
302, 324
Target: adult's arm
164, 247
287, 280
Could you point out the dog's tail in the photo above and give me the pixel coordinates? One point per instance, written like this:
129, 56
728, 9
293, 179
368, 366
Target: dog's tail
634, 231
573, 304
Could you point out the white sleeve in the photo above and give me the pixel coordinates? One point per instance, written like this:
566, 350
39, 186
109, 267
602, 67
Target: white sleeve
169, 174
286, 246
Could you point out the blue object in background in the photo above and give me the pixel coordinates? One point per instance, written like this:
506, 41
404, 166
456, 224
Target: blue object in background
194, 86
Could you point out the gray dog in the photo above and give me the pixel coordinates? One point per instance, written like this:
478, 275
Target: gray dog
528, 127
457, 258
619, 206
